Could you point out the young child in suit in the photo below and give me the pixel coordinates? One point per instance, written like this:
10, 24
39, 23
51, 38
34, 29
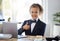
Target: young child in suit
33, 26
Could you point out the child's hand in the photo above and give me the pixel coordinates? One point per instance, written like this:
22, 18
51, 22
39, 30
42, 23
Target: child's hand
26, 26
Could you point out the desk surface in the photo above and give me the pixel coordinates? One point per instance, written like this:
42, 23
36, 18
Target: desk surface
15, 39
12, 39
29, 38
32, 38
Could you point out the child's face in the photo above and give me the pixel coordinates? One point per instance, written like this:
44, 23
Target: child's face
34, 12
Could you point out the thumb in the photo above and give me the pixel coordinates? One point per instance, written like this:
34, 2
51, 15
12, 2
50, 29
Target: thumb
26, 23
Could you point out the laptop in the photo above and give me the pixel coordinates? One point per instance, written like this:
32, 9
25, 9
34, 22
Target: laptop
10, 28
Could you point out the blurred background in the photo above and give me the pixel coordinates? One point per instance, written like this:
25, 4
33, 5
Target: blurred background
18, 11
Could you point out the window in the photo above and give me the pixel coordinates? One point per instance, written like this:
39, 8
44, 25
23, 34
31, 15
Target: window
18, 10
22, 12
1, 15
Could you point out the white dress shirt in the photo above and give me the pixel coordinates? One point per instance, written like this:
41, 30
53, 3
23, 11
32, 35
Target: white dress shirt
33, 25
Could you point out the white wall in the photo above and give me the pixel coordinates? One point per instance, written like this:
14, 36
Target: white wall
53, 7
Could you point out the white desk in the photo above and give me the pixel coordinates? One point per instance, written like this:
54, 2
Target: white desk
32, 38
12, 39
29, 38
25, 40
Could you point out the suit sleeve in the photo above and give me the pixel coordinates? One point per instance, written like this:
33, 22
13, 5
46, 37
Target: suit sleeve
43, 29
20, 31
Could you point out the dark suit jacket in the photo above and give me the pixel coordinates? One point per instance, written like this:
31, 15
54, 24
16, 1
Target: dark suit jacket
39, 28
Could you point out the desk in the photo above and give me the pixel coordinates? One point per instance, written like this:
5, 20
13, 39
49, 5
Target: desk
15, 39
32, 38
26, 39
12, 39
29, 38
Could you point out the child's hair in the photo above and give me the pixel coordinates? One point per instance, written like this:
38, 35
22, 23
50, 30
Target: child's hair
37, 6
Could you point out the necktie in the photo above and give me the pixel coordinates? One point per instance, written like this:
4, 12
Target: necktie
33, 21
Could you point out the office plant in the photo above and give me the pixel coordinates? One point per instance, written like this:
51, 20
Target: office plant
56, 18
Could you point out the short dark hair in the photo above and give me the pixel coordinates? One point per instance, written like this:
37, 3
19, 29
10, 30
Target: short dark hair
37, 6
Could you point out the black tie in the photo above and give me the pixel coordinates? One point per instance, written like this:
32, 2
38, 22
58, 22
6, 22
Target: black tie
33, 21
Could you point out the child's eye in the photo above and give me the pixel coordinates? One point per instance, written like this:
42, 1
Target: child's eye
32, 12
36, 12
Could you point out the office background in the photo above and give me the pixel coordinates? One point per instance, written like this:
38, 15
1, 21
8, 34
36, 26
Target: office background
16, 9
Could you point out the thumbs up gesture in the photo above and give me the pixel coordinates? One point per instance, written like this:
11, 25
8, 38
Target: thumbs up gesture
26, 26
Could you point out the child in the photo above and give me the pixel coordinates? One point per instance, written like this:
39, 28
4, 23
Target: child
33, 26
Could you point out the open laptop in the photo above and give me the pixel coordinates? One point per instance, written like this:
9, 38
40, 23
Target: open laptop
10, 28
